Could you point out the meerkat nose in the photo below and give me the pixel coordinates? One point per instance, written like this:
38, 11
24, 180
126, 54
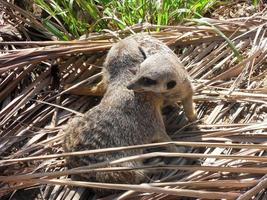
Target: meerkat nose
131, 86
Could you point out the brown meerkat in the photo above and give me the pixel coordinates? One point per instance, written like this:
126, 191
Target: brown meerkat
149, 46
163, 74
122, 118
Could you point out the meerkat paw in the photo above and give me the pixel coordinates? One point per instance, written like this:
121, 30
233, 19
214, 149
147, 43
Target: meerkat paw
97, 90
192, 116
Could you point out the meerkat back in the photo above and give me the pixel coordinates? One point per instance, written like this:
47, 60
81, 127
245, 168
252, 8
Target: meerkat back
164, 74
122, 118
151, 45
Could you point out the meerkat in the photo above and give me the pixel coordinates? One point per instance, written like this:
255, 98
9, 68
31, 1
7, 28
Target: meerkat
149, 46
122, 118
163, 74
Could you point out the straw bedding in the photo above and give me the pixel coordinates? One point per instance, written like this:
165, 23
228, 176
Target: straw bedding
225, 155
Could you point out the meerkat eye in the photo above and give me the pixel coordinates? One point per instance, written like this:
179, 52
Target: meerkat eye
171, 84
142, 52
147, 81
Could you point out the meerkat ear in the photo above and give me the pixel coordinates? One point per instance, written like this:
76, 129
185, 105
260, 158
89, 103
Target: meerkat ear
142, 52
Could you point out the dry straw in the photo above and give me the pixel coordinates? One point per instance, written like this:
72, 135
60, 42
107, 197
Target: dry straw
227, 149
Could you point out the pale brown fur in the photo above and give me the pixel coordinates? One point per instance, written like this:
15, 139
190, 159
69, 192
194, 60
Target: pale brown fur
122, 118
149, 46
163, 74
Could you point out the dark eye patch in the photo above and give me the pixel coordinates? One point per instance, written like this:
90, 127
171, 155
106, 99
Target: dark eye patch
142, 52
171, 84
147, 81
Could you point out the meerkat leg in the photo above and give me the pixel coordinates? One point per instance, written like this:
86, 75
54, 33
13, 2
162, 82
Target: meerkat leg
164, 137
98, 90
189, 108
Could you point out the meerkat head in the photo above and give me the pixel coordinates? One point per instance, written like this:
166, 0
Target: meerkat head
164, 75
121, 58
159, 73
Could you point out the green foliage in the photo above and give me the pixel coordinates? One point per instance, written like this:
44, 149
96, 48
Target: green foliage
70, 19
255, 2
229, 42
